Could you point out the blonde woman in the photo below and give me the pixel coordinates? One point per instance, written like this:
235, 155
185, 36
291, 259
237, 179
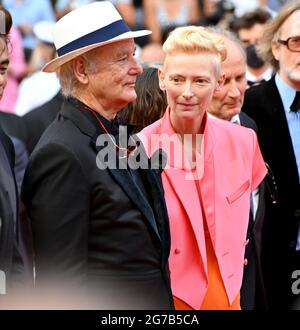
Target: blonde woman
212, 168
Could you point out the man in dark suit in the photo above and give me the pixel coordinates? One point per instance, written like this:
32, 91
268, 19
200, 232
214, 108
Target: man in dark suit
37, 120
226, 104
8, 212
249, 28
273, 106
13, 125
30, 127
101, 233
11, 263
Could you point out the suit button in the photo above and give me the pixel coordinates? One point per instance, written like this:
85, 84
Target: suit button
246, 242
292, 244
176, 251
245, 262
297, 213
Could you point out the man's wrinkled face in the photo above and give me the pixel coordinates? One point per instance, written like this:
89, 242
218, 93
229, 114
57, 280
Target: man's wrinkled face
113, 83
228, 101
289, 62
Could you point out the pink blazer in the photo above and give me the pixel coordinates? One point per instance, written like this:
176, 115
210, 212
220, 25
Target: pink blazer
231, 166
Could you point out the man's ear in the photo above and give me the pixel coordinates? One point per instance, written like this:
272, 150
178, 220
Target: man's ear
220, 82
161, 78
79, 68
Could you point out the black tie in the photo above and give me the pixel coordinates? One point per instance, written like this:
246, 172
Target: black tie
296, 103
255, 83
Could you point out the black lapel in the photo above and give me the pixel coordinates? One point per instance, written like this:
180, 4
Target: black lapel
151, 170
280, 136
160, 207
246, 121
8, 147
121, 175
276, 144
259, 218
7, 176
125, 180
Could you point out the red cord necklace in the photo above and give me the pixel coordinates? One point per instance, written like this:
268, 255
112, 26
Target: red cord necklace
121, 150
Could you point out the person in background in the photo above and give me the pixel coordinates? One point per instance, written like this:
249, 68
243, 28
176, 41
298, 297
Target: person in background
45, 85
274, 5
127, 10
160, 14
25, 14
215, 12
243, 7
63, 7
249, 29
212, 168
275, 108
150, 104
17, 70
11, 263
102, 238
226, 104
152, 54
29, 128
35, 122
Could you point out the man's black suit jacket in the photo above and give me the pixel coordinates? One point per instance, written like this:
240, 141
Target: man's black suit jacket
253, 289
37, 120
31, 126
263, 104
12, 125
95, 231
10, 259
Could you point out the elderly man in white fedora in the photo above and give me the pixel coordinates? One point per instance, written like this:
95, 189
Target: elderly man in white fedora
99, 233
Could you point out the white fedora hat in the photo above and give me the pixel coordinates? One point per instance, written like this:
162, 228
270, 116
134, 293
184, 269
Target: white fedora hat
88, 27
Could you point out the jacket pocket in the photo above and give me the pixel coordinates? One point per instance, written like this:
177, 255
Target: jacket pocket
238, 193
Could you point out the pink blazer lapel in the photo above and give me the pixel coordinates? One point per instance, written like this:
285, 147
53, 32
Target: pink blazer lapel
207, 181
186, 191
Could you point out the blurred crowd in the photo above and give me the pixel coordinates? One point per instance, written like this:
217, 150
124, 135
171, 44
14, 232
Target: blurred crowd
31, 44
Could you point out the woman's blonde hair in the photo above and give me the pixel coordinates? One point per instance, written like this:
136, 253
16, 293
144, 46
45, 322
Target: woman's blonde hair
273, 30
196, 39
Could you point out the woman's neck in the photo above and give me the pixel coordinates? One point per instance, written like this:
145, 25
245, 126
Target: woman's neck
184, 126
190, 131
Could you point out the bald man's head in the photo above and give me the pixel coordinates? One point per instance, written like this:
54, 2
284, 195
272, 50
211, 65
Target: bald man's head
228, 102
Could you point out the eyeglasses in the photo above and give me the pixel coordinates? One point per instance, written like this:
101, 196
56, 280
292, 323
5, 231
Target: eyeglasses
292, 43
